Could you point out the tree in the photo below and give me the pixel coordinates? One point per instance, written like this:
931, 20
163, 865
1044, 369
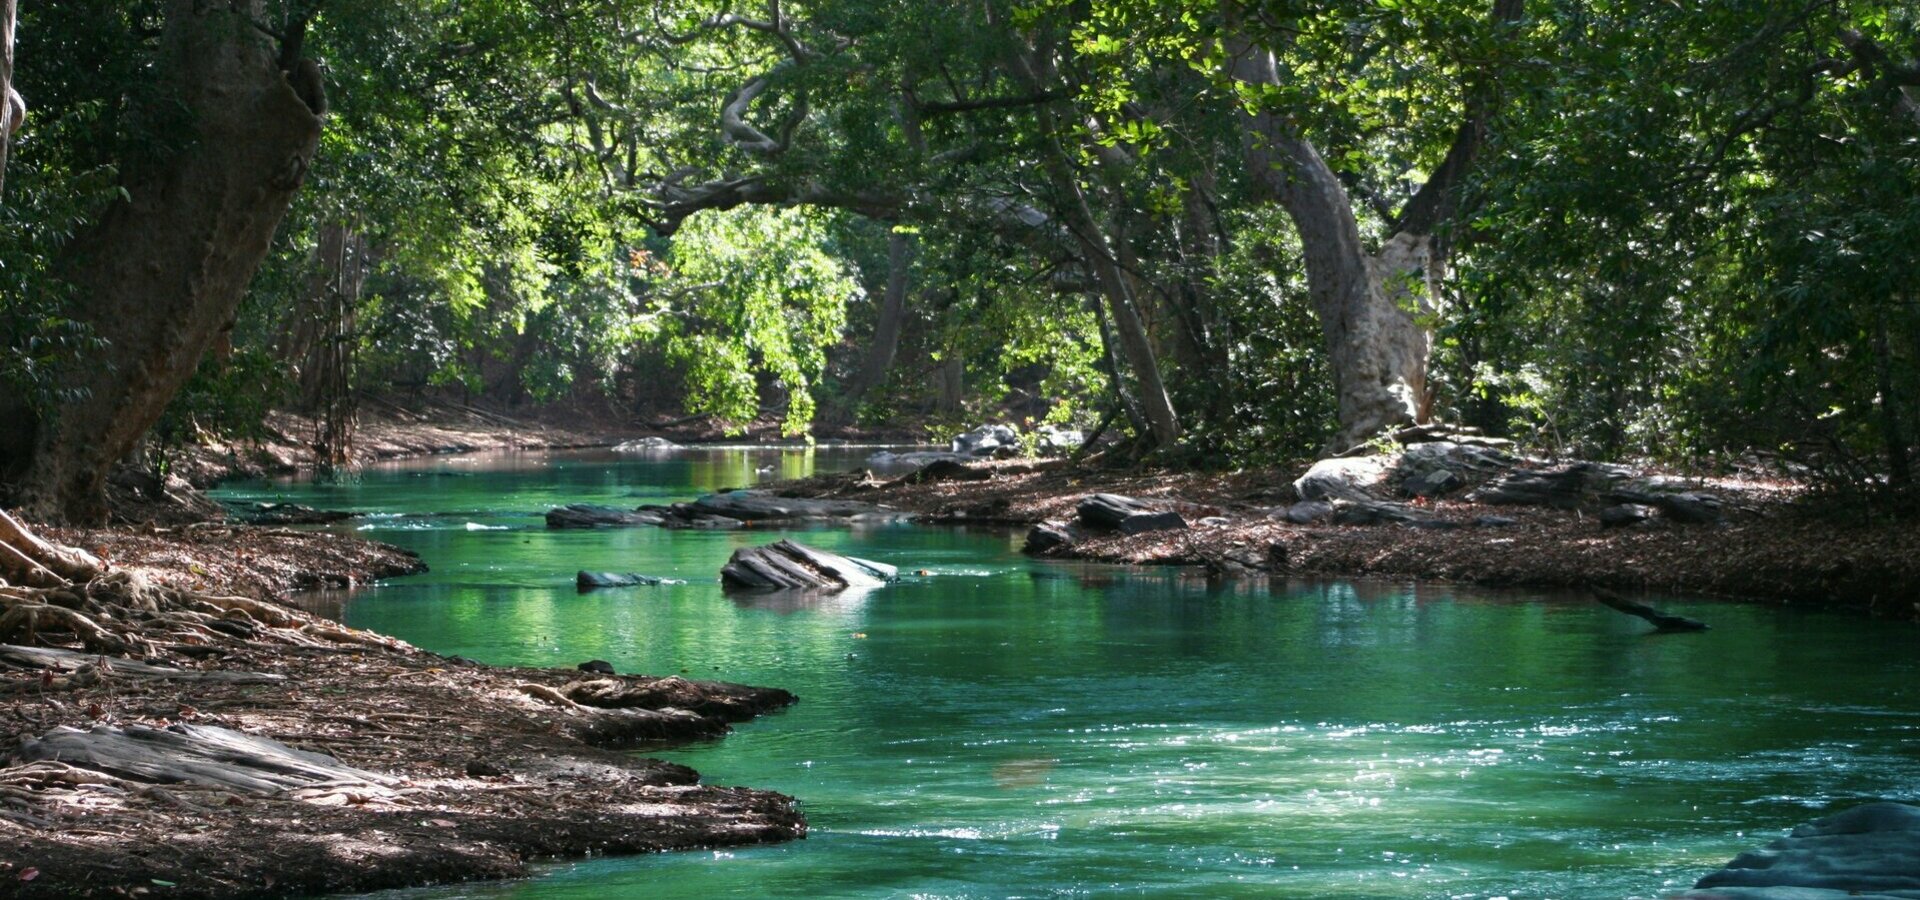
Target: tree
160, 273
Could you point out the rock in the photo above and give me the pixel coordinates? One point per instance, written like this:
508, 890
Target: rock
788, 565
587, 515
1870, 851
1107, 511
1686, 507
1439, 467
647, 445
1495, 521
1053, 441
988, 440
1566, 487
1141, 523
1691, 507
1047, 536
1624, 515
586, 581
1431, 483
597, 666
1215, 522
286, 514
1113, 512
1307, 512
945, 470
888, 461
1372, 512
760, 506
1344, 478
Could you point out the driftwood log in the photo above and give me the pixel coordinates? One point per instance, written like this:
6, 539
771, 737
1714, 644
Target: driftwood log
194, 754
1662, 622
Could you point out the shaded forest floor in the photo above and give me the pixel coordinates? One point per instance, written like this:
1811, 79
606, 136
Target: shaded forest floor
1768, 548
485, 769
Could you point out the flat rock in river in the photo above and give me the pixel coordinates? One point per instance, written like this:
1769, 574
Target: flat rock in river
588, 515
1870, 851
789, 565
760, 506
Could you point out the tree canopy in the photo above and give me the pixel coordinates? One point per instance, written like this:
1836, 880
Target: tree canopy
1244, 232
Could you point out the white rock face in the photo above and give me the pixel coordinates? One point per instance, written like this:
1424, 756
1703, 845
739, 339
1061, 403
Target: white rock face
1344, 478
1870, 851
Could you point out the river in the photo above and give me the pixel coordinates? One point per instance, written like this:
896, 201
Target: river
995, 726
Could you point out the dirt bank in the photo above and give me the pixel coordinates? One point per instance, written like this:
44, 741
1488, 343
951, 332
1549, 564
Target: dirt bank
470, 771
1767, 549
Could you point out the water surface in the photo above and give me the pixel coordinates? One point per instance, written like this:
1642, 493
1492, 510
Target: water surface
1001, 727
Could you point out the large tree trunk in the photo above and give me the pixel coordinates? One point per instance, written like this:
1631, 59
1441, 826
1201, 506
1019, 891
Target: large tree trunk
1365, 300
163, 271
1370, 303
13, 110
886, 330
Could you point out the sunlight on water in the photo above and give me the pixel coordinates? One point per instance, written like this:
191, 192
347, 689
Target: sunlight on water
1003, 727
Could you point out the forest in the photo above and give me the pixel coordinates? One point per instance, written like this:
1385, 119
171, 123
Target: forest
1161, 446
1239, 234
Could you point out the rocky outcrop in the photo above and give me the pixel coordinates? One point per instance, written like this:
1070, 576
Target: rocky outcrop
1438, 468
1572, 486
1870, 851
588, 515
789, 565
1343, 478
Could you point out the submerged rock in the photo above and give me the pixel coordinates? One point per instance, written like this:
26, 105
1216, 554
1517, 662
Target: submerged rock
789, 565
1870, 851
587, 581
286, 514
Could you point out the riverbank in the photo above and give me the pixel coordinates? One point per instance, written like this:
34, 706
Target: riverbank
1765, 548
401, 428
454, 770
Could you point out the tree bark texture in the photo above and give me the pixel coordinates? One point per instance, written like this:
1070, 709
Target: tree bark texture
1366, 301
886, 329
13, 110
163, 270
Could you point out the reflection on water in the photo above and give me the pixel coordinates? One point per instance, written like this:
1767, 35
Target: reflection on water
1004, 727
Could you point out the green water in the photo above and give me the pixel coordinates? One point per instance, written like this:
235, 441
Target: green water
1003, 727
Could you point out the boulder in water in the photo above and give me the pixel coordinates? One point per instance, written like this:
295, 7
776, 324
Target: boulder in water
587, 581
789, 565
588, 515
1870, 851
